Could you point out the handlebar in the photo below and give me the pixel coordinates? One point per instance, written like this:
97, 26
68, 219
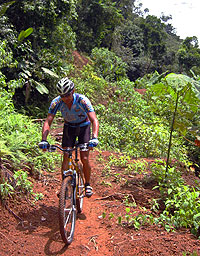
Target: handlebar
83, 147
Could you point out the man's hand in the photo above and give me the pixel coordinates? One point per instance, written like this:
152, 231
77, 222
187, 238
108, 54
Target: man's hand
93, 143
44, 145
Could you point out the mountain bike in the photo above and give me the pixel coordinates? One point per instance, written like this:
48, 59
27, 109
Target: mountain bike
71, 193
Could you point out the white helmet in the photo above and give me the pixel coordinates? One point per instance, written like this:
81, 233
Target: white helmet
65, 86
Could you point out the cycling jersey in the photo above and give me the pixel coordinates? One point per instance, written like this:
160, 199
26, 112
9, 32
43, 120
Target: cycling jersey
78, 112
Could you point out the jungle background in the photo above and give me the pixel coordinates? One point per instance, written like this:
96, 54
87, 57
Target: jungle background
143, 80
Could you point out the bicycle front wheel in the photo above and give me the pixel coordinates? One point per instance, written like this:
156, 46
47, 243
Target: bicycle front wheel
67, 210
80, 189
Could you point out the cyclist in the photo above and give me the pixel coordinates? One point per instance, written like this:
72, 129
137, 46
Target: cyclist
78, 114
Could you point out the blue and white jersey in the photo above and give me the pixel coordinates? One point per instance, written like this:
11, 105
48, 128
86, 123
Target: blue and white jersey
78, 111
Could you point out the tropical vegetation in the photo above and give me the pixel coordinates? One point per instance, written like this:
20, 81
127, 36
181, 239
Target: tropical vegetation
127, 50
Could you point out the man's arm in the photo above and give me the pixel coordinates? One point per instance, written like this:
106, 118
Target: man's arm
95, 124
46, 126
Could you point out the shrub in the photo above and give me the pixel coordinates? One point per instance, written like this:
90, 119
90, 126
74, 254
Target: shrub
108, 65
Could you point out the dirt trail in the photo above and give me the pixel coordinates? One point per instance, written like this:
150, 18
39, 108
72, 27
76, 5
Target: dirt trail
38, 233
35, 230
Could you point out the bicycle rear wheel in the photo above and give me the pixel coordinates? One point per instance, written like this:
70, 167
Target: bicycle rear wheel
80, 189
67, 211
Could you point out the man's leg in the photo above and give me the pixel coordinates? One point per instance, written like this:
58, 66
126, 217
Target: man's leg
64, 166
87, 172
84, 137
68, 140
86, 165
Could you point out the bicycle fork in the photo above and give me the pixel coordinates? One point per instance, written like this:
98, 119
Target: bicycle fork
74, 190
73, 174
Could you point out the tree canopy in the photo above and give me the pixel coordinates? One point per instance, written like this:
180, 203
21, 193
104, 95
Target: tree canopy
42, 35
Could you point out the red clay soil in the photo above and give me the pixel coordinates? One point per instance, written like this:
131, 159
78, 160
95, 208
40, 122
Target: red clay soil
79, 60
34, 229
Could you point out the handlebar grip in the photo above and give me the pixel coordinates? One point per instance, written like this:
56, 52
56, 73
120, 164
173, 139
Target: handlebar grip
43, 144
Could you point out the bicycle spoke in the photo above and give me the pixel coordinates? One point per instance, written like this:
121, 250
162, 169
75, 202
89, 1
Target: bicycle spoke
68, 216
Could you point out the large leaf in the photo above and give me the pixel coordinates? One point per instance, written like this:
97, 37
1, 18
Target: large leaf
40, 87
49, 72
185, 85
177, 81
23, 34
159, 89
197, 89
28, 32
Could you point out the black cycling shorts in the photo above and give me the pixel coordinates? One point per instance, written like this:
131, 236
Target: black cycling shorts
70, 133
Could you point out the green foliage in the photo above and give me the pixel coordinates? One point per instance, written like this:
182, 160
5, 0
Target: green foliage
22, 182
89, 83
6, 61
154, 39
124, 125
36, 42
129, 203
148, 80
137, 166
6, 57
62, 39
3, 148
20, 137
19, 146
108, 65
153, 36
182, 102
120, 161
23, 34
189, 54
127, 129
25, 75
5, 6
128, 38
128, 44
6, 190
132, 219
181, 201
51, 40
95, 24
190, 254
40, 87
20, 186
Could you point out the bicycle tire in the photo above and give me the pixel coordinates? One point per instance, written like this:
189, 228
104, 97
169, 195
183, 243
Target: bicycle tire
67, 211
80, 189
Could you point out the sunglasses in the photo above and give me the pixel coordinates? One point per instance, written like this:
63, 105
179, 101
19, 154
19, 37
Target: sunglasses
65, 95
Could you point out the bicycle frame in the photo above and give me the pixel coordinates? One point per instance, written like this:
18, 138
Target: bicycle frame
70, 202
73, 168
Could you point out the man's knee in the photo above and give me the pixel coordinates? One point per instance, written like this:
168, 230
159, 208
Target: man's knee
85, 160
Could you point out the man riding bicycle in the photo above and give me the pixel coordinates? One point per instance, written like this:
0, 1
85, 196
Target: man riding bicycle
78, 115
